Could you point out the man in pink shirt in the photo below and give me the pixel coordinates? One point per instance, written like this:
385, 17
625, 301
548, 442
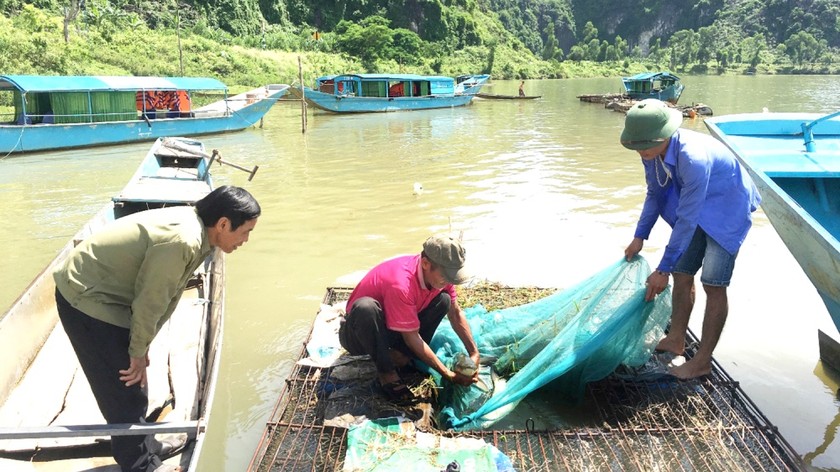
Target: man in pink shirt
395, 310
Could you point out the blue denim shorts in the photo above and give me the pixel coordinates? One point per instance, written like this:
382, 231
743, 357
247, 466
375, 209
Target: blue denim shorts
704, 251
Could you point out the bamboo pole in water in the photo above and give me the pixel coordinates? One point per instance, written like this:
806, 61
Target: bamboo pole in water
302, 98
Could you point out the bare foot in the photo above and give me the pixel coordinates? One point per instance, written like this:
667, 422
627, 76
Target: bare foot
692, 369
672, 345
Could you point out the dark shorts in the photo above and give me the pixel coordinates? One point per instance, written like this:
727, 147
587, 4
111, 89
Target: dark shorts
718, 264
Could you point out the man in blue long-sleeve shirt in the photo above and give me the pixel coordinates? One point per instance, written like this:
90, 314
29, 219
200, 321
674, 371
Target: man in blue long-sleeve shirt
698, 187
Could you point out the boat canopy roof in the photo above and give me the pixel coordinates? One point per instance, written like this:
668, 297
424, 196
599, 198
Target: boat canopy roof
645, 76
64, 83
395, 77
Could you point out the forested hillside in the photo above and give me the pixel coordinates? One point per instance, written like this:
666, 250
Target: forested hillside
251, 40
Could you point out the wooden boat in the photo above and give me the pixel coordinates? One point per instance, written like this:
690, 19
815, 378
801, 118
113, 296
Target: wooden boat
48, 416
794, 160
494, 96
367, 93
664, 86
57, 112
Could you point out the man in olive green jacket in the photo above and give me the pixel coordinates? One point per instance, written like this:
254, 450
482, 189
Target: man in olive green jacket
119, 286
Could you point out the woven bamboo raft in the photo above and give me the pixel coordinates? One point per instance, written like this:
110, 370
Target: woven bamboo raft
622, 102
706, 424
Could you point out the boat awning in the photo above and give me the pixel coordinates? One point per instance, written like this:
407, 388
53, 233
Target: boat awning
59, 83
651, 76
393, 77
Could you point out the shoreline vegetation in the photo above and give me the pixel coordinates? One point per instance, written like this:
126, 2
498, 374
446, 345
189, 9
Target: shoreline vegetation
111, 42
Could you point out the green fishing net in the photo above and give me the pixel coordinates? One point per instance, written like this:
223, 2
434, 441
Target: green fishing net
567, 339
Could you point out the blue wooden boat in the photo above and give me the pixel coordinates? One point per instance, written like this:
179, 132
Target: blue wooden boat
794, 160
57, 112
60, 426
368, 93
664, 86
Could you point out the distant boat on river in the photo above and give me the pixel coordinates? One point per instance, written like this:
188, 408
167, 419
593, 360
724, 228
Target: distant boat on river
366, 93
494, 96
664, 86
794, 160
57, 112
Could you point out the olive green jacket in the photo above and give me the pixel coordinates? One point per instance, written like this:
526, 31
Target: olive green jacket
132, 272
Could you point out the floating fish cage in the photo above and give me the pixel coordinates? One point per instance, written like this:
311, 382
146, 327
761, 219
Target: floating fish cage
631, 425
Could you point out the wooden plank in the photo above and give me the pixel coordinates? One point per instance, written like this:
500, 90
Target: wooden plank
163, 190
90, 430
91, 464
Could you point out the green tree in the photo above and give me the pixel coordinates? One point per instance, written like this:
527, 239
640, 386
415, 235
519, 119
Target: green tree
752, 48
590, 32
621, 48
551, 45
684, 46
576, 53
801, 48
593, 49
710, 40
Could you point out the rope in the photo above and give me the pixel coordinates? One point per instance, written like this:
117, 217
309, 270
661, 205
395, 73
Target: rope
20, 136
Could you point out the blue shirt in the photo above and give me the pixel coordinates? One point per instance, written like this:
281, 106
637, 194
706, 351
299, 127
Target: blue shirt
706, 186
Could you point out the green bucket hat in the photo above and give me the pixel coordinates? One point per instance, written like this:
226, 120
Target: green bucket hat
648, 124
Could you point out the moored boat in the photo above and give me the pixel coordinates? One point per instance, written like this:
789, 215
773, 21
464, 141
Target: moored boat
368, 93
794, 160
49, 419
664, 86
58, 112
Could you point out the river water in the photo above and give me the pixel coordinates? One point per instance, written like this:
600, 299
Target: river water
542, 191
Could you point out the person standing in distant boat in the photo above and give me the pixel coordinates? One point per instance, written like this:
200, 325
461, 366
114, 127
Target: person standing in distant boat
522, 88
699, 188
118, 287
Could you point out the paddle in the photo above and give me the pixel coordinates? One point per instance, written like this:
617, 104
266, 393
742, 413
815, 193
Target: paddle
216, 156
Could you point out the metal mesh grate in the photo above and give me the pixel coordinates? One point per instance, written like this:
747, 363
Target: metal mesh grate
698, 425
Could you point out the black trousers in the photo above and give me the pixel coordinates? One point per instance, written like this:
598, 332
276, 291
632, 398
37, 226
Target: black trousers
102, 349
363, 330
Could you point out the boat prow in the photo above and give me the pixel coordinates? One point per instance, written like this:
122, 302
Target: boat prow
794, 160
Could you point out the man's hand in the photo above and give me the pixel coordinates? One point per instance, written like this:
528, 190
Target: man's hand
656, 283
462, 379
633, 248
136, 372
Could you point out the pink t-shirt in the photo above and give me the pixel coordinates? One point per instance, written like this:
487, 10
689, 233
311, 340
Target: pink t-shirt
398, 285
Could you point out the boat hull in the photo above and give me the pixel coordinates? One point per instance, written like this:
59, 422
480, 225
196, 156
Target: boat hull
800, 189
493, 96
45, 137
350, 104
667, 94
